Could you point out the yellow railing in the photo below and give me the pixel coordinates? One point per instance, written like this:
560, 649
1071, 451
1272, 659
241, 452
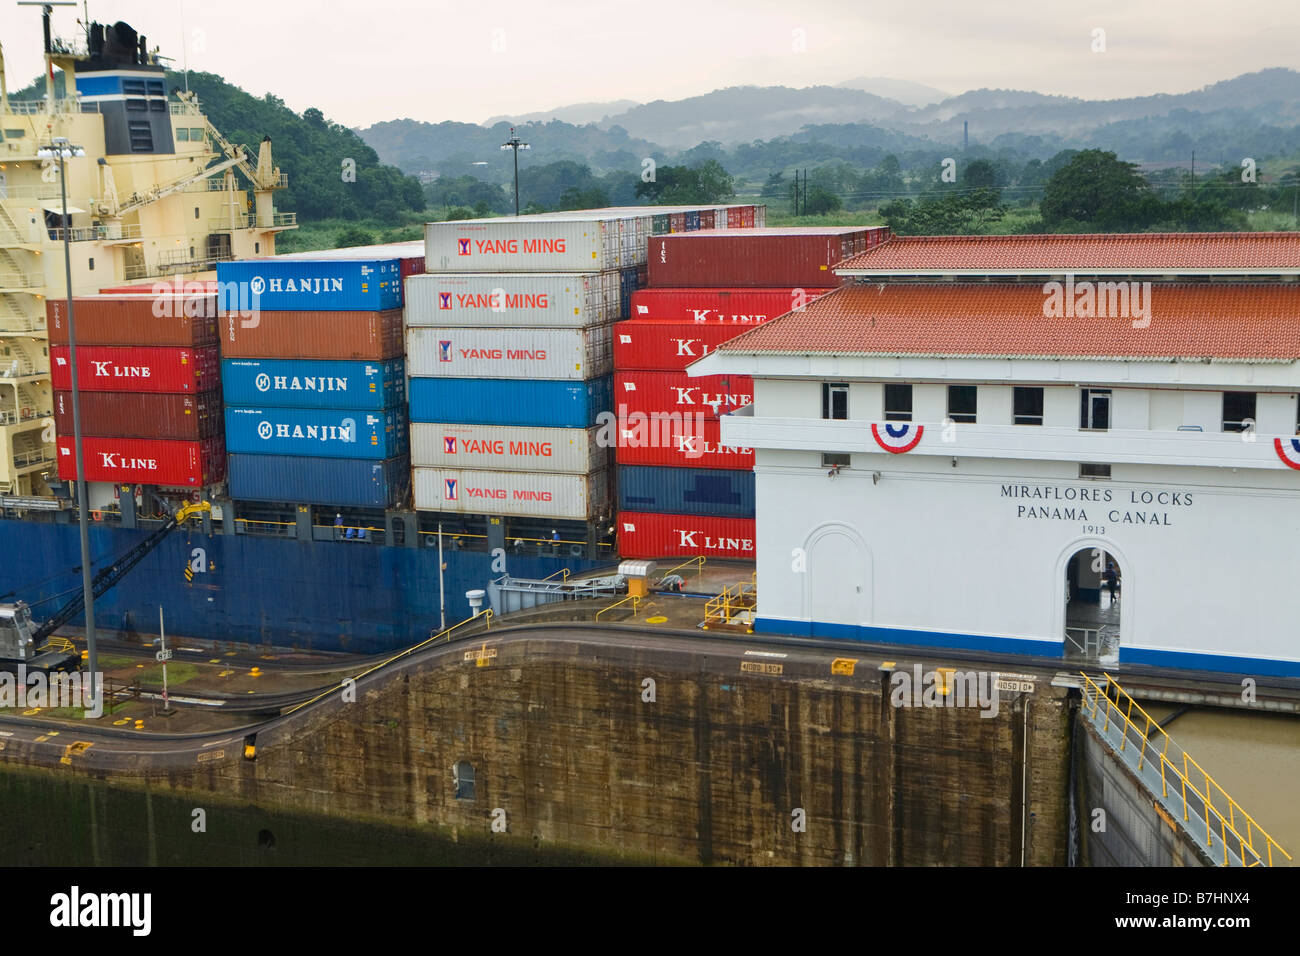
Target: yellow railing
1121, 708
61, 644
485, 618
564, 572
636, 600
732, 602
698, 561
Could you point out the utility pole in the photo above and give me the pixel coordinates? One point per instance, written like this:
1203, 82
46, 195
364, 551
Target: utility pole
62, 150
515, 144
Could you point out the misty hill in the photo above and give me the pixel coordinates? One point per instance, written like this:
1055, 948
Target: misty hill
1267, 97
904, 91
742, 114
576, 113
1255, 114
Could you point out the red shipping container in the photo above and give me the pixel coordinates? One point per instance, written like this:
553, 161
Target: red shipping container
685, 443
179, 320
148, 461
738, 306
796, 257
677, 222
368, 336
707, 218
142, 415
147, 287
708, 395
409, 266
667, 345
137, 369
642, 535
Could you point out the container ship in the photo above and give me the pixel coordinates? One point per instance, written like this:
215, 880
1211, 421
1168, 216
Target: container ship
350, 414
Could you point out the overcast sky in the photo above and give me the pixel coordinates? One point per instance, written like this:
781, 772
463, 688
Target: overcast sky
370, 60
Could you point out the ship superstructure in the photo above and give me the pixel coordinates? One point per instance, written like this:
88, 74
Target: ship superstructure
154, 196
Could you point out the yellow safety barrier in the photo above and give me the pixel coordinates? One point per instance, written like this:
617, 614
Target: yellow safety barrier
1121, 708
485, 618
636, 600
58, 644
698, 561
564, 572
730, 604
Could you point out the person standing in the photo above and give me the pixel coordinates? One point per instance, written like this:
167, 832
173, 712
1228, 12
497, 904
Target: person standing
1112, 582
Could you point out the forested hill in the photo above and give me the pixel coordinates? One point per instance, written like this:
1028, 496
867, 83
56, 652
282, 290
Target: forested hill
312, 150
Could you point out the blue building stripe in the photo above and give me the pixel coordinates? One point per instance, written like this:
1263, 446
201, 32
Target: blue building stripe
1181, 660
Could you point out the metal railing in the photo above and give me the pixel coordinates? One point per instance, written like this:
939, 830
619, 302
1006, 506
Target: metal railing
636, 601
256, 526
193, 108
734, 601
699, 562
21, 280
1186, 773
484, 618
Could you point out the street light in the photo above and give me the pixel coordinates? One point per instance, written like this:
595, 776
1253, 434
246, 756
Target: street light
515, 144
62, 150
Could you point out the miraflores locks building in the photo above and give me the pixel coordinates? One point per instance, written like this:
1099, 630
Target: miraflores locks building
1072, 446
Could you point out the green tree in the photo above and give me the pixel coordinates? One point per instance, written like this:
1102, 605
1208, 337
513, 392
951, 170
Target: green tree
1097, 188
980, 173
352, 236
820, 201
706, 183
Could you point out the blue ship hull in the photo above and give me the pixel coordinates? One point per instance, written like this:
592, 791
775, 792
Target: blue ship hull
334, 596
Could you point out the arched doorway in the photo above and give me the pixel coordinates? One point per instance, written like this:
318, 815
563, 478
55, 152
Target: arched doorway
837, 582
1094, 591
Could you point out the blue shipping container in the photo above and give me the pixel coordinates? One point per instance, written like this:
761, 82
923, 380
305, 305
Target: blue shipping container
326, 285
721, 493
346, 482
482, 401
314, 383
317, 432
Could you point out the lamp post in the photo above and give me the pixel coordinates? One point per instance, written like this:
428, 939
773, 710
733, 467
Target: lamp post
515, 144
62, 150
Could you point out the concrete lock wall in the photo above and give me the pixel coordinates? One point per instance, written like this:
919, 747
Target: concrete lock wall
1118, 822
555, 724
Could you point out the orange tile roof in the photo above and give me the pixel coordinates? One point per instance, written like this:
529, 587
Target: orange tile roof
1170, 252
1239, 321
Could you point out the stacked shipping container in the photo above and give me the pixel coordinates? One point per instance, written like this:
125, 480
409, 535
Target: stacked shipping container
509, 354
150, 399
314, 377
681, 492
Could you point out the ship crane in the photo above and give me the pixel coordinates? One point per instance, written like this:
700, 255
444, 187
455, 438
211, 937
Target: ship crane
23, 641
265, 176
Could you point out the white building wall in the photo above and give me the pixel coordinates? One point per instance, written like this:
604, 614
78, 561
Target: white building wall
947, 553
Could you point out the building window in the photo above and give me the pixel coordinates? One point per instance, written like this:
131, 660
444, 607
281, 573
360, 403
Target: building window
196, 212
462, 777
257, 247
1094, 409
1238, 411
834, 459
961, 403
898, 403
835, 401
1027, 405
182, 134
92, 263
137, 106
1094, 471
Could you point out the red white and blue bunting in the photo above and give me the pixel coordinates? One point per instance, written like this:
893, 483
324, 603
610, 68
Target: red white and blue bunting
1289, 451
896, 437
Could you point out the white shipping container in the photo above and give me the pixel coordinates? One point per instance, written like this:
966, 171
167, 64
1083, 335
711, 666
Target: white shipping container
512, 299
521, 245
567, 354
570, 451
519, 494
